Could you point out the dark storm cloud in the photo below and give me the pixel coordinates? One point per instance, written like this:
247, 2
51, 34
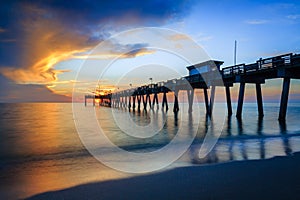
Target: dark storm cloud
131, 50
36, 35
93, 11
84, 15
92, 20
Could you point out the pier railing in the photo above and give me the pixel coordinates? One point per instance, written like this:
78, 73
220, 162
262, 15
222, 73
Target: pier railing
260, 65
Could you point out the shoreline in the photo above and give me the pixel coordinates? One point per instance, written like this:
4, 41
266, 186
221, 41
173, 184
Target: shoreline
274, 178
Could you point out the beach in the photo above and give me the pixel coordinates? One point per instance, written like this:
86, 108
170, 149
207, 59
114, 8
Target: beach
275, 178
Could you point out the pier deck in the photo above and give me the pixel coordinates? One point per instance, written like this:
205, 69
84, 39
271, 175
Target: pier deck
286, 66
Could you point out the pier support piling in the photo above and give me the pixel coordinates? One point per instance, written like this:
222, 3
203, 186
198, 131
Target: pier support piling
212, 99
259, 100
129, 103
176, 105
121, 101
144, 102
240, 100
228, 99
190, 94
284, 99
139, 102
206, 101
165, 102
148, 99
133, 102
155, 100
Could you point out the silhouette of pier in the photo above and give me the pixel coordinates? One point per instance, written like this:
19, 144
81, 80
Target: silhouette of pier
209, 75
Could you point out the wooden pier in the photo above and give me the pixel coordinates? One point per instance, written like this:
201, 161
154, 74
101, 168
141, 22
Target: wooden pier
203, 76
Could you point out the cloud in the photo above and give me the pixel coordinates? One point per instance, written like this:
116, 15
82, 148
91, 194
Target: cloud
41, 72
51, 32
38, 35
179, 36
135, 11
8, 40
43, 44
110, 49
204, 38
257, 21
293, 17
27, 93
130, 50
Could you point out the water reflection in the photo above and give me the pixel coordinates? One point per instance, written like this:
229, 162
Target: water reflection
237, 141
176, 119
262, 141
285, 139
228, 129
242, 145
41, 151
240, 126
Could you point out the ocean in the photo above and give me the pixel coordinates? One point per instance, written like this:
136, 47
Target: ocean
41, 149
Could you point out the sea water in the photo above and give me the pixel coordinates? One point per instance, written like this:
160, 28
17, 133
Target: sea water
41, 149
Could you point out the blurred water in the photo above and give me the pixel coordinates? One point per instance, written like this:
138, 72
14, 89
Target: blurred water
40, 149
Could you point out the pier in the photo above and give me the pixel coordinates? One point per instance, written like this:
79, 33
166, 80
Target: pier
207, 76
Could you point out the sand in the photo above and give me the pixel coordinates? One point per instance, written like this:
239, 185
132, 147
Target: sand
276, 178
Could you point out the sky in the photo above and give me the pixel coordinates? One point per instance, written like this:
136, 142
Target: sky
43, 44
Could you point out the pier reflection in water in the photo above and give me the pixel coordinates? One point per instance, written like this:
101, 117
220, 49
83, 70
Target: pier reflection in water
242, 146
241, 139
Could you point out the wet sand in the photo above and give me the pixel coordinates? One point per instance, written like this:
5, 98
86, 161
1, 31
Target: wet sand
276, 178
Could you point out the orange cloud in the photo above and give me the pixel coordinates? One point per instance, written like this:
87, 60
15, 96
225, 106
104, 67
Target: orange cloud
41, 72
179, 36
45, 42
112, 54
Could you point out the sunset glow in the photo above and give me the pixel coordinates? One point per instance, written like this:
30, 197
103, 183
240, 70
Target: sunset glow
51, 49
149, 99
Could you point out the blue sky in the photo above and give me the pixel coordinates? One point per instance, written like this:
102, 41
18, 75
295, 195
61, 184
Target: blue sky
40, 40
262, 28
